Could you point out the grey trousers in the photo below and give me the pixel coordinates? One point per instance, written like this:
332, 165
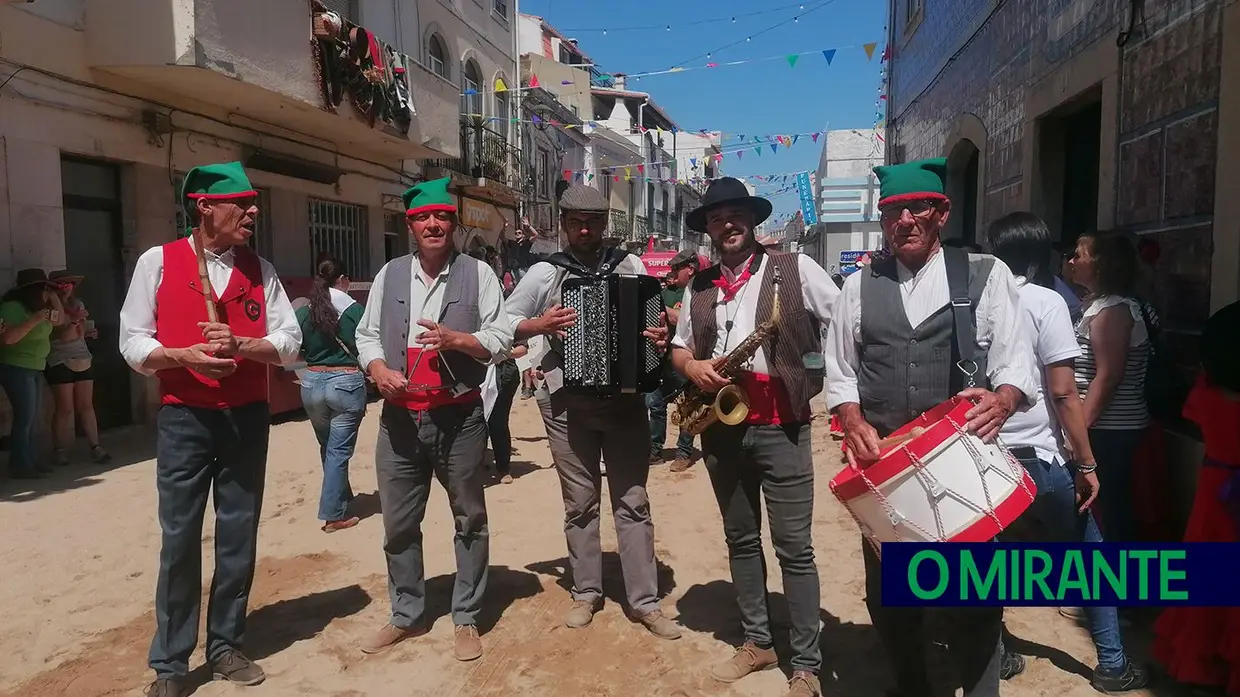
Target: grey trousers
746, 465
582, 430
450, 444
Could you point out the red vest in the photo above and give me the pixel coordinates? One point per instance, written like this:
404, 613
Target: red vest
179, 307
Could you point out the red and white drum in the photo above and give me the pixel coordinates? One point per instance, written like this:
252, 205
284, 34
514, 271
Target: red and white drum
935, 482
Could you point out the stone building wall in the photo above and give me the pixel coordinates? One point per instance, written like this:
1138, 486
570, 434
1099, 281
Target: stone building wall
964, 67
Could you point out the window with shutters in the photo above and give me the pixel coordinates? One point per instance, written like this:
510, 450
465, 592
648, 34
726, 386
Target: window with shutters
260, 241
340, 229
345, 8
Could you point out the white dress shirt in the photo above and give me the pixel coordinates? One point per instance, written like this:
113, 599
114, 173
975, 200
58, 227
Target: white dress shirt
818, 292
426, 301
1000, 327
537, 291
137, 321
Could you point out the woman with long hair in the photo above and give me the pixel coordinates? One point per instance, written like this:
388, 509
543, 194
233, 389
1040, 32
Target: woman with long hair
69, 373
333, 388
1066, 483
29, 311
1115, 348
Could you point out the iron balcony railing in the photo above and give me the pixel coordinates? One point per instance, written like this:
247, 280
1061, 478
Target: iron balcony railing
485, 154
619, 225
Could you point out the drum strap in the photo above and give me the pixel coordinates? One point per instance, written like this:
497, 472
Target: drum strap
964, 336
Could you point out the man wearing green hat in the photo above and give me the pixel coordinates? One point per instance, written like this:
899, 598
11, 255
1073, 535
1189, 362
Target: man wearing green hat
210, 348
433, 322
935, 323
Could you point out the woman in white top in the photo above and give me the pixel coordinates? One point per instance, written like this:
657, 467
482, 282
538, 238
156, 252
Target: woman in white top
1111, 370
1067, 485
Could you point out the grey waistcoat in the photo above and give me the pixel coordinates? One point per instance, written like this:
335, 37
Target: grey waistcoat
906, 370
459, 311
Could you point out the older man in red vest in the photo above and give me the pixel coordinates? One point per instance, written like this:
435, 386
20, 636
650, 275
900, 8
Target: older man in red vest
214, 419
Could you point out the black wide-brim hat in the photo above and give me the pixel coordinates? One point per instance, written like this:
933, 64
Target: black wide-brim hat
728, 191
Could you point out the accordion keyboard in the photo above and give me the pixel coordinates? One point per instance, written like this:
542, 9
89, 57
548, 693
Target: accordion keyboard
604, 348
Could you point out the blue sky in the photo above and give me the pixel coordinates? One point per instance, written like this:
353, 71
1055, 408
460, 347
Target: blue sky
759, 98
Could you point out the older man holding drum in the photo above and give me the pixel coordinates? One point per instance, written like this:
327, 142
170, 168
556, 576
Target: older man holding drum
910, 332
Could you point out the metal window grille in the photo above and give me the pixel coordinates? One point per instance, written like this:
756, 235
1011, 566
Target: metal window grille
501, 8
395, 236
340, 229
260, 241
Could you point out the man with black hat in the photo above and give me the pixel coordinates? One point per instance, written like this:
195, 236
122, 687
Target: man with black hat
583, 426
210, 347
683, 266
768, 455
433, 322
905, 330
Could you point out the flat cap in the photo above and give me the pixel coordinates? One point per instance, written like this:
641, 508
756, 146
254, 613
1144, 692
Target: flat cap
579, 197
684, 257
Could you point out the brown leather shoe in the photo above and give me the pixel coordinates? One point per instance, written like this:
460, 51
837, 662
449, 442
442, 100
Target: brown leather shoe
749, 658
387, 637
167, 687
581, 614
803, 684
659, 625
468, 644
234, 667
681, 464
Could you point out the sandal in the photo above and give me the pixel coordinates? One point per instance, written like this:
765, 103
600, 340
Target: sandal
334, 525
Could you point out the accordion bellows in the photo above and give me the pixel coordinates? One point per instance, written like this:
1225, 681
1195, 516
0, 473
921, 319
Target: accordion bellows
605, 349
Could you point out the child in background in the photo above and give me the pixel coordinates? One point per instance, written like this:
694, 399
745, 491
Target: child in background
1200, 647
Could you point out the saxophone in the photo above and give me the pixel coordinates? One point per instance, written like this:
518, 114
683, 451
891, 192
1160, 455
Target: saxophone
698, 410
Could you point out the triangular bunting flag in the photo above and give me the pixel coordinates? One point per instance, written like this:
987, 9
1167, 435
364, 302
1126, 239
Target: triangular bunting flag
590, 178
615, 177
792, 60
829, 54
628, 174
739, 154
534, 81
774, 147
794, 139
693, 162
741, 136
568, 175
499, 85
815, 136
641, 169
578, 176
759, 151
869, 51
469, 91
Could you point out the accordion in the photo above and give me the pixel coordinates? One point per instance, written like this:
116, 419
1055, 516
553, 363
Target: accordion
605, 349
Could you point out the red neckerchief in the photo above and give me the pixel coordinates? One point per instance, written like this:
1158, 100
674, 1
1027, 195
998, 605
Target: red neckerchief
730, 289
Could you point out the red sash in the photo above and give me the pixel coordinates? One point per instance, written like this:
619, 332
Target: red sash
427, 386
769, 404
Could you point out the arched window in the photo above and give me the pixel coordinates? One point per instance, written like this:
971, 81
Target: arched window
471, 89
437, 56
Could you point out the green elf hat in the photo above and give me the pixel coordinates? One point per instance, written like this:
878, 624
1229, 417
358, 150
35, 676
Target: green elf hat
215, 183
921, 180
429, 196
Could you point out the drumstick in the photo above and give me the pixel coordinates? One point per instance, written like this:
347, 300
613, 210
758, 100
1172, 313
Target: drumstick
205, 279
896, 440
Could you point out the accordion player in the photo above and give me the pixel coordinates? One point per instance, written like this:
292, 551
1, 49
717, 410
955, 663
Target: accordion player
605, 349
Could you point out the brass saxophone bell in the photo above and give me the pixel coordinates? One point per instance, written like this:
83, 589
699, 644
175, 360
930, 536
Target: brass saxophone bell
732, 405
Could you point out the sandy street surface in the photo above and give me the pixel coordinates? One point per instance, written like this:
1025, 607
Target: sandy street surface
79, 556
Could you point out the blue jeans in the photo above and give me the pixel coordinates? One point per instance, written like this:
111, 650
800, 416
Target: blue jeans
335, 403
25, 392
1053, 517
656, 402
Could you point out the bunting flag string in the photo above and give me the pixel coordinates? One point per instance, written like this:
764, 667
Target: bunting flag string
790, 58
